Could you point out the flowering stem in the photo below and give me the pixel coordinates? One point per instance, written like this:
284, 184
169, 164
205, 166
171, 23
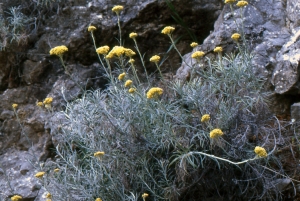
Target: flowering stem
134, 73
110, 71
158, 67
142, 59
119, 25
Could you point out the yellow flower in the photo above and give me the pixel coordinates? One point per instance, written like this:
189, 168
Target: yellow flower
58, 50
102, 50
155, 58
261, 152
154, 92
99, 153
117, 51
48, 195
98, 199
56, 170
40, 104
117, 9
242, 3
205, 118
131, 61
48, 200
145, 195
198, 54
133, 35
129, 52
128, 83
215, 133
131, 90
193, 44
218, 49
16, 198
230, 1
48, 100
236, 36
121, 76
39, 174
14, 106
168, 30
91, 28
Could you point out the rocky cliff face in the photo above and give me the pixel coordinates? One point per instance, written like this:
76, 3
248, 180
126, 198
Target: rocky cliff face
29, 74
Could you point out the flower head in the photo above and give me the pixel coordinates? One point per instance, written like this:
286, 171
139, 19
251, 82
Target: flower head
99, 153
56, 170
230, 1
98, 199
133, 35
242, 3
121, 76
261, 152
155, 59
193, 44
236, 36
145, 195
205, 118
40, 104
218, 49
129, 52
48, 195
14, 106
102, 50
48, 100
117, 9
198, 54
168, 30
132, 90
58, 50
131, 61
16, 198
39, 175
91, 28
154, 92
117, 51
128, 83
215, 133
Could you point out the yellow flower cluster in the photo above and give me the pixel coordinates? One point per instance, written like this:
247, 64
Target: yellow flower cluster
91, 28
99, 153
48, 101
218, 49
102, 50
133, 35
215, 133
117, 9
230, 1
132, 90
118, 51
145, 195
48, 195
16, 198
98, 199
236, 36
198, 54
40, 104
121, 76
155, 58
154, 92
14, 105
39, 174
205, 118
58, 50
242, 3
168, 30
128, 83
48, 200
56, 170
261, 152
131, 61
193, 44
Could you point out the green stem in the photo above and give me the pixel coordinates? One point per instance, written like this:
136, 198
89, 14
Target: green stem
119, 25
142, 59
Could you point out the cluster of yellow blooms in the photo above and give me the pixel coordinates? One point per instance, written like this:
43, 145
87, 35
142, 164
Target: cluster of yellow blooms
16, 198
117, 9
145, 195
261, 152
56, 170
168, 30
128, 83
198, 54
98, 199
47, 102
118, 51
154, 92
218, 49
242, 3
121, 76
131, 61
205, 118
39, 175
91, 28
194, 44
215, 133
14, 106
99, 153
103, 50
132, 90
133, 35
58, 50
155, 59
236, 36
